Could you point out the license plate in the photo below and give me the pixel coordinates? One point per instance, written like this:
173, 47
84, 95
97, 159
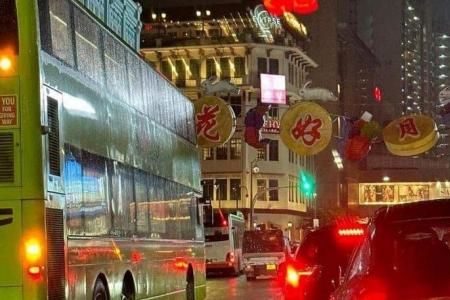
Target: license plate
271, 267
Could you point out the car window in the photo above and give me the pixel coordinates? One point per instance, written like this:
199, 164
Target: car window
361, 260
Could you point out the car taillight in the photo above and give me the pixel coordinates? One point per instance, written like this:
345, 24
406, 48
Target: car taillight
292, 276
374, 296
351, 232
230, 257
33, 257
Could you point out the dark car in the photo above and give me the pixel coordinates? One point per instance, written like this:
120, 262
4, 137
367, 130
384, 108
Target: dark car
405, 255
319, 261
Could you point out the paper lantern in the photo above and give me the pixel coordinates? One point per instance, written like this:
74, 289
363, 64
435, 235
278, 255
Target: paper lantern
279, 7
215, 121
410, 135
306, 128
357, 148
305, 7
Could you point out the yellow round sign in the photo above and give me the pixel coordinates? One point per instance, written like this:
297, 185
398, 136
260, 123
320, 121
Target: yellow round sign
410, 135
215, 121
306, 128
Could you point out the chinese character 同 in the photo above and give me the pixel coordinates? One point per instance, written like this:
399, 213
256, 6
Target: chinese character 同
408, 128
207, 123
307, 130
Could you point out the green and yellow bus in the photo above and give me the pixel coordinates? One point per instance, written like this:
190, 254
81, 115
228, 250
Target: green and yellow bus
99, 173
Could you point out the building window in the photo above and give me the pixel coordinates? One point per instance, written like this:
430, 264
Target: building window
180, 81
236, 105
221, 189
273, 192
273, 66
208, 188
210, 68
273, 112
225, 68
214, 32
290, 155
261, 186
194, 66
239, 67
235, 148
235, 189
291, 73
208, 153
261, 154
273, 150
166, 69
262, 66
222, 152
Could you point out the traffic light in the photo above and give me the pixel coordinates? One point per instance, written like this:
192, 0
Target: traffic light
307, 183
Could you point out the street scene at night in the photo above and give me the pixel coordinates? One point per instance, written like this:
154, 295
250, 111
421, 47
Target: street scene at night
225, 149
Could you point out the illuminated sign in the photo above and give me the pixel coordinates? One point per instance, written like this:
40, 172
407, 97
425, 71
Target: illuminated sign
271, 126
295, 25
273, 89
265, 22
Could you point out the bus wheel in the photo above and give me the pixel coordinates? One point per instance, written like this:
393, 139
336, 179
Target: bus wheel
128, 292
190, 286
100, 292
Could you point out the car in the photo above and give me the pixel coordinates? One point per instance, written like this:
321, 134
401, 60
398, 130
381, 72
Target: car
263, 252
315, 271
405, 255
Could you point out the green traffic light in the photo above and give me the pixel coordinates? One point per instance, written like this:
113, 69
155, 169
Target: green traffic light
307, 183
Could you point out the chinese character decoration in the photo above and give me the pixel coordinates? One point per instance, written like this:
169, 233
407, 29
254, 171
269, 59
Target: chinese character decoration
361, 135
214, 121
410, 135
254, 122
303, 7
306, 128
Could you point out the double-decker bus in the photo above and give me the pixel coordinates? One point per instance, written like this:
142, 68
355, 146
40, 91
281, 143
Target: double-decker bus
223, 242
99, 174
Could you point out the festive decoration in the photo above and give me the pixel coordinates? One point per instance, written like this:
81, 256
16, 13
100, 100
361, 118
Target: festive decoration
213, 85
444, 98
410, 135
361, 135
215, 121
254, 122
279, 7
316, 93
377, 94
306, 128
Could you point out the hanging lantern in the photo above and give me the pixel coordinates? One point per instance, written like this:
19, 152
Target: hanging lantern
357, 148
278, 7
410, 135
305, 7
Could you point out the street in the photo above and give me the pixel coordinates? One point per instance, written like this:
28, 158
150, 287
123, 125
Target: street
234, 288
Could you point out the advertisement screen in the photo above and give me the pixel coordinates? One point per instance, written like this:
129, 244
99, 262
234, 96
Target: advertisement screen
273, 89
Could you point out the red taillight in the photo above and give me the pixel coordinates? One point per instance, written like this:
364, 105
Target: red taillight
374, 296
230, 257
351, 232
33, 257
224, 223
292, 276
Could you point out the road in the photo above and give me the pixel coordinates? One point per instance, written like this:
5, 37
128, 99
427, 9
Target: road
237, 288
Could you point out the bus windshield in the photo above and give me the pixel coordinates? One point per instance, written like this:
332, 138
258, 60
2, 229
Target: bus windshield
263, 241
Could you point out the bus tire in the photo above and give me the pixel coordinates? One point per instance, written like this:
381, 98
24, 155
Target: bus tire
190, 284
128, 292
100, 292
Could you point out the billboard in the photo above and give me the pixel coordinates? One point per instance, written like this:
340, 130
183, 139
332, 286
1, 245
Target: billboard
273, 89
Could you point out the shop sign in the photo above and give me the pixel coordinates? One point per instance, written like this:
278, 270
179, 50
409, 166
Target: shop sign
265, 22
8, 110
306, 128
215, 121
271, 126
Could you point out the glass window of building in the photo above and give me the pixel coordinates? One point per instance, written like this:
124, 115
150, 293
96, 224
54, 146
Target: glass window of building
166, 70
239, 67
235, 148
210, 68
273, 150
273, 66
221, 189
208, 153
208, 188
262, 66
194, 66
235, 189
261, 185
273, 194
180, 81
273, 112
214, 32
225, 68
222, 152
236, 105
262, 153
291, 73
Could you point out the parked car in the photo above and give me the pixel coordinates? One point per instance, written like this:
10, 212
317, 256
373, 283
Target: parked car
405, 255
324, 253
263, 252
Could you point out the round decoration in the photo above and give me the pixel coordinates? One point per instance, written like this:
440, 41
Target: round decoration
306, 128
215, 121
410, 135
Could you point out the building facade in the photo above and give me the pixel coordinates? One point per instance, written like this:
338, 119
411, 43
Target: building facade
239, 49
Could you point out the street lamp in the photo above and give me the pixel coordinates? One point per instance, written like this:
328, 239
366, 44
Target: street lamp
159, 18
289, 225
200, 14
253, 169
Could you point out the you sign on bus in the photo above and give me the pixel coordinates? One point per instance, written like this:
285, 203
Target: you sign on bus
8, 110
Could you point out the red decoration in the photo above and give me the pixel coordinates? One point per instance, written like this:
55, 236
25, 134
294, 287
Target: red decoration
357, 148
279, 7
377, 94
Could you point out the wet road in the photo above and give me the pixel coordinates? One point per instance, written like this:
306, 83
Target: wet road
234, 288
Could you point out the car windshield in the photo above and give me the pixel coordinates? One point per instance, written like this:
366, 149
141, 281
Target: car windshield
260, 241
416, 253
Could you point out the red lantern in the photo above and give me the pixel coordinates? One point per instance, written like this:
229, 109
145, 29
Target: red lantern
278, 7
305, 7
357, 148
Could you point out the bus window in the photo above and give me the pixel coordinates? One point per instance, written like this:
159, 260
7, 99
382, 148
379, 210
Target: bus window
9, 38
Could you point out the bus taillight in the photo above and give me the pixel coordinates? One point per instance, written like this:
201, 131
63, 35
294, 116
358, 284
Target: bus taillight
33, 257
5, 63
